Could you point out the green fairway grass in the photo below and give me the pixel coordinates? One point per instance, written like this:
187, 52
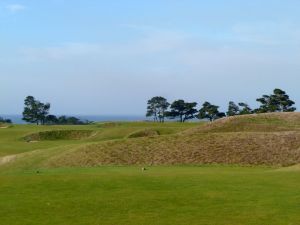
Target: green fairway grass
216, 195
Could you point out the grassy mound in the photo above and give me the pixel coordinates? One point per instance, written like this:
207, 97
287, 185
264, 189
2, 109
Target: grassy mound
144, 133
59, 135
109, 124
280, 149
265, 139
268, 122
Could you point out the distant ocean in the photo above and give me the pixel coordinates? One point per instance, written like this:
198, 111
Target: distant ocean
17, 119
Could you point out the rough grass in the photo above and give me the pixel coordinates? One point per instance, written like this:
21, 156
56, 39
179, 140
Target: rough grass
109, 124
264, 139
269, 122
281, 149
144, 133
59, 135
12, 139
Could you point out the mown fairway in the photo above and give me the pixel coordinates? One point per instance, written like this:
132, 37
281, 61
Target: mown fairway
92, 174
217, 195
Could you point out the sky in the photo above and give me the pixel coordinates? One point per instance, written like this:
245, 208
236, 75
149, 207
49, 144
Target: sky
99, 57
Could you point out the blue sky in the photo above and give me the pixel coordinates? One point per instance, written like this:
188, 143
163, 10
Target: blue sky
109, 57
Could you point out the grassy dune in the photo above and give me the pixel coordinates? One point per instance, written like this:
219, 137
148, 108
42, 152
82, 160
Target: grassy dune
17, 139
266, 139
92, 174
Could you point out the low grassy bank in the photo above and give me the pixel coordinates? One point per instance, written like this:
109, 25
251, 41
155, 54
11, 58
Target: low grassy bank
26, 138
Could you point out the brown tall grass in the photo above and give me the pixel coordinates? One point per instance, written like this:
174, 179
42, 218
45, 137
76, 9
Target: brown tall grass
264, 139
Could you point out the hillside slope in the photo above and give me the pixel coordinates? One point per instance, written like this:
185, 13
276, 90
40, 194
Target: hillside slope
268, 122
264, 139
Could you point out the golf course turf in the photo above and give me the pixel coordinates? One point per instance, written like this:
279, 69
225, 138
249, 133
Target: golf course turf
93, 174
216, 195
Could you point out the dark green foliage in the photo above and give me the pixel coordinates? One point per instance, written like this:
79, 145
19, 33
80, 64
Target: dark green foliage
182, 110
35, 111
279, 101
2, 120
64, 120
245, 109
211, 112
156, 108
240, 109
233, 109
51, 120
38, 112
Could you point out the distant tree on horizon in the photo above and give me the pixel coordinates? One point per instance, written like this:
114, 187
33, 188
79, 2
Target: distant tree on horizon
156, 108
35, 111
279, 101
65, 120
2, 120
245, 110
233, 109
211, 112
238, 109
51, 120
182, 110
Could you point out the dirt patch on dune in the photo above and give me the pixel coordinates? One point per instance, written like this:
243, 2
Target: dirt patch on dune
7, 159
5, 126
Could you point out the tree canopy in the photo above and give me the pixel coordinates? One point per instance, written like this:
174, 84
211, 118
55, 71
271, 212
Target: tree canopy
38, 112
156, 108
245, 109
35, 111
2, 120
233, 109
64, 120
279, 101
182, 110
211, 112
240, 109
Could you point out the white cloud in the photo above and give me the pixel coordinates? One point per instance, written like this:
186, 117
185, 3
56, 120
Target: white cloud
172, 51
152, 43
14, 8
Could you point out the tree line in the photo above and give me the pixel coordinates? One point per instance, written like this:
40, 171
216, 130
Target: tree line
2, 120
159, 108
38, 113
